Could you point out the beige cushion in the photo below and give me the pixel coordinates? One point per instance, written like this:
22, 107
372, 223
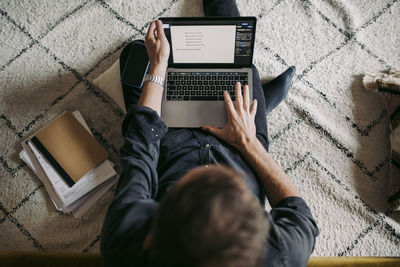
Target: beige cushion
110, 83
388, 85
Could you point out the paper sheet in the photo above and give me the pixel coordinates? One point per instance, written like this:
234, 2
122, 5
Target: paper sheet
87, 183
79, 207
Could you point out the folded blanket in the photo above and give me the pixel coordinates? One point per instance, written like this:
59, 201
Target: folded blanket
388, 84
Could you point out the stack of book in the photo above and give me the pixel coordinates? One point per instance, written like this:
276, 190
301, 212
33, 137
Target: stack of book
70, 162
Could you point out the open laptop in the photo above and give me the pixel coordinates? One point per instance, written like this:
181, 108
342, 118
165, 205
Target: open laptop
208, 55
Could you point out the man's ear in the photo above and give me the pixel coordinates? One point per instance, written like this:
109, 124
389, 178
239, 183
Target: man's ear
147, 242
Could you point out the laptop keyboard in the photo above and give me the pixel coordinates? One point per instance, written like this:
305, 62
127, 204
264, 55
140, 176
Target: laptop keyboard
203, 86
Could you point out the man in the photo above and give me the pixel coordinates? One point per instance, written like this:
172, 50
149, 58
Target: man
208, 215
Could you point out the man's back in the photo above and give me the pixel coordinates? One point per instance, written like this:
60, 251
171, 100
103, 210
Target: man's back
131, 215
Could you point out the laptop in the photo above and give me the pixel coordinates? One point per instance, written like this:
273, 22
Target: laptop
208, 56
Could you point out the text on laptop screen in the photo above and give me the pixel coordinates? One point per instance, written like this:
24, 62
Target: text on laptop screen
203, 44
228, 42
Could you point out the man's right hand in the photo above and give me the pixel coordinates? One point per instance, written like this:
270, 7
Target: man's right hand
240, 129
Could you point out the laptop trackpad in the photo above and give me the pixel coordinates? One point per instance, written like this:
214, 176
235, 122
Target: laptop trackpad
194, 113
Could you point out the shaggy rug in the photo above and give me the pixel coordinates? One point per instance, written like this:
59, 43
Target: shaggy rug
330, 135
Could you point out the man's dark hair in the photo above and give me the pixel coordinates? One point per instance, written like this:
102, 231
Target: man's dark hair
212, 219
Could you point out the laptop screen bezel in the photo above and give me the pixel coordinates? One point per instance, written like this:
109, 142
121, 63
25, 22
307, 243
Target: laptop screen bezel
209, 21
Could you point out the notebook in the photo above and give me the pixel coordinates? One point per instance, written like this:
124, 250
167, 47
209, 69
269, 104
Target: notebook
69, 147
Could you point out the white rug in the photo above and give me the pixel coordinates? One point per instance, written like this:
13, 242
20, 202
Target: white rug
329, 135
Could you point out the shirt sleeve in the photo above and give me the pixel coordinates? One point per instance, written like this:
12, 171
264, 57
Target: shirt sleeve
292, 234
128, 218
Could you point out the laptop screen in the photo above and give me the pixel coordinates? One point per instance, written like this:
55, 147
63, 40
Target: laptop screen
210, 41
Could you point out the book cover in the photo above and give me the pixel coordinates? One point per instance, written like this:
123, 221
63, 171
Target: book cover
71, 146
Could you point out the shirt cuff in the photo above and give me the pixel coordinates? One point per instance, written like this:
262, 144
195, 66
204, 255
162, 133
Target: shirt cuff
145, 121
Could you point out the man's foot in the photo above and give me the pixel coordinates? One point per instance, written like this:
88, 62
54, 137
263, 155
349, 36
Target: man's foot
222, 8
276, 90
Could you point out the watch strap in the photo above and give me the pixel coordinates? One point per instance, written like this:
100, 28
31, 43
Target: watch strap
154, 78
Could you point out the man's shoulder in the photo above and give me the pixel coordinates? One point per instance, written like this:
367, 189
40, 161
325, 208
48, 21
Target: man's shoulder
124, 231
292, 233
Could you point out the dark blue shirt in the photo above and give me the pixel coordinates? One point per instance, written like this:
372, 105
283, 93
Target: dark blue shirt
155, 157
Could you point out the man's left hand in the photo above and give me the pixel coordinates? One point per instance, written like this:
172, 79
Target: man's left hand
157, 47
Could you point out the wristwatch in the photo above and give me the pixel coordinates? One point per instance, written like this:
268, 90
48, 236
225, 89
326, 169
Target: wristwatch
155, 79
